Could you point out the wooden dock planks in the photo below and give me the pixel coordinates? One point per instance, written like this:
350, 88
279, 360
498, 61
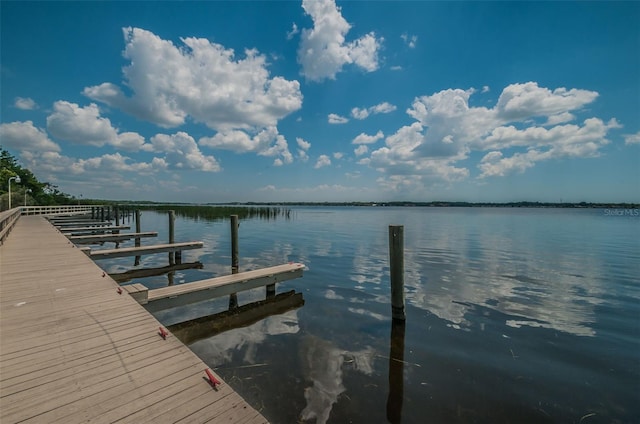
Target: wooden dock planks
74, 350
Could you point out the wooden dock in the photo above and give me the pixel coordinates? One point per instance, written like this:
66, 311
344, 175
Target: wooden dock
74, 350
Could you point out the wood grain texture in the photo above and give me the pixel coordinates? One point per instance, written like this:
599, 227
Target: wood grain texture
74, 350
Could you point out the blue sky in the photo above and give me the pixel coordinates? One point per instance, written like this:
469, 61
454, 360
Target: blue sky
325, 101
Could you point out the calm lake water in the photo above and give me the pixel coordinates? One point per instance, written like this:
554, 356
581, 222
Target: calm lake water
513, 315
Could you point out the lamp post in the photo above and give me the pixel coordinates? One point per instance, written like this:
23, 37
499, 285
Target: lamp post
25, 195
17, 178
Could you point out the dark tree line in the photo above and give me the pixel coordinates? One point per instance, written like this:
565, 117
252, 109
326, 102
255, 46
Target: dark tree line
37, 193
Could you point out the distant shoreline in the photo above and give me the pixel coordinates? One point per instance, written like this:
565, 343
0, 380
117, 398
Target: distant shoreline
580, 205
458, 204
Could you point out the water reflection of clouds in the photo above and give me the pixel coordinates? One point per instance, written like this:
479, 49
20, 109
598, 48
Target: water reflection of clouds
220, 348
499, 270
323, 365
485, 275
369, 266
368, 313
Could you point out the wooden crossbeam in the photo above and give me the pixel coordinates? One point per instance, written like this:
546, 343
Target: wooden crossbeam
82, 224
122, 277
184, 294
145, 250
90, 229
96, 238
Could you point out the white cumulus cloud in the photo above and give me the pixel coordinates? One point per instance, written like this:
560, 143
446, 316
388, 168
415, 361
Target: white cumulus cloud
85, 126
304, 145
632, 138
323, 50
25, 103
361, 150
336, 119
182, 153
384, 107
523, 101
303, 148
323, 160
363, 138
201, 80
528, 124
24, 136
80, 125
267, 142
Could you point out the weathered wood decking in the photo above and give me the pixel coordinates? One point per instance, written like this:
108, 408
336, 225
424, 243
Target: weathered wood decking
74, 350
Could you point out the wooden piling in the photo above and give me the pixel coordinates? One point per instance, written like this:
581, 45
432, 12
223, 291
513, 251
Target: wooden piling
137, 240
116, 214
172, 220
102, 213
138, 227
396, 270
233, 297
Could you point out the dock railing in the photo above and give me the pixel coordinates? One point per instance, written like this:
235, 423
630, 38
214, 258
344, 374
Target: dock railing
9, 217
7, 221
57, 210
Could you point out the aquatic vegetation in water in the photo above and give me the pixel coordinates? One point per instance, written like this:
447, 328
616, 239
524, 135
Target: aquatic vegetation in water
216, 213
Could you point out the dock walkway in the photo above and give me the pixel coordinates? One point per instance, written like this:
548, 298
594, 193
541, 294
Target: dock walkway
74, 350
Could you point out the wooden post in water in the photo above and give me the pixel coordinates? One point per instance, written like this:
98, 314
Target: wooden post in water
233, 297
172, 219
137, 240
115, 213
102, 213
93, 212
396, 270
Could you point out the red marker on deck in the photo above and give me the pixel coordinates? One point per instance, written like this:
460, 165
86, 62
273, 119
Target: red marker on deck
212, 379
119, 290
163, 333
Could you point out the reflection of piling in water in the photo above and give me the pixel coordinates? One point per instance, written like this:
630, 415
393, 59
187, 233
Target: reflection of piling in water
396, 270
396, 372
193, 330
233, 297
